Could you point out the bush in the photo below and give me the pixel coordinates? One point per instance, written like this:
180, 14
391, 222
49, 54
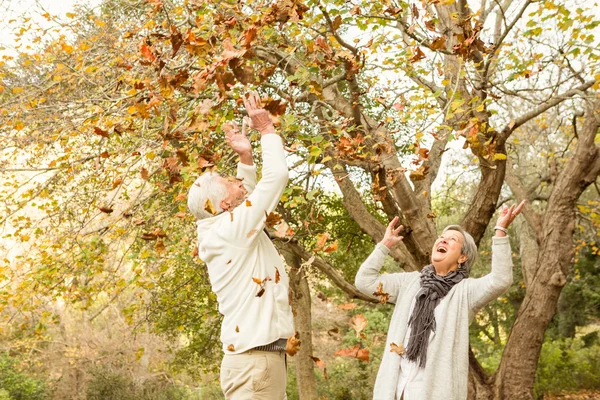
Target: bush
18, 386
107, 384
566, 364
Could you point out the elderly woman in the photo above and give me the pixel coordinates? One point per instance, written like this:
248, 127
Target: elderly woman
426, 354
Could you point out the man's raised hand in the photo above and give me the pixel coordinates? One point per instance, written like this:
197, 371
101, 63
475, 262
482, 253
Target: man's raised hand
239, 142
259, 117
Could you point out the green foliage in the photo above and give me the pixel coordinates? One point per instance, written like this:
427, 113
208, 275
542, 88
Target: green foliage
107, 384
17, 385
566, 364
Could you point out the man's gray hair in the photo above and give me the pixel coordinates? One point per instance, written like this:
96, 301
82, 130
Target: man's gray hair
207, 187
469, 248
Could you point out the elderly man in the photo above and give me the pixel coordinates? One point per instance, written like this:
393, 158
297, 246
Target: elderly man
246, 272
426, 355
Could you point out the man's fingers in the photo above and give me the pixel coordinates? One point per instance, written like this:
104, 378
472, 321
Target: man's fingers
397, 230
244, 126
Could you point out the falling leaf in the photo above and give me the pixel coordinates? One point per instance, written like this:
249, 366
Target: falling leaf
251, 233
104, 154
257, 281
105, 209
117, 182
318, 362
195, 252
180, 215
394, 348
272, 219
321, 239
202, 163
332, 247
354, 352
348, 306
383, 297
101, 132
230, 348
277, 275
333, 331
292, 346
358, 323
144, 173
208, 207
337, 22
439, 43
148, 53
248, 203
237, 328
260, 292
419, 55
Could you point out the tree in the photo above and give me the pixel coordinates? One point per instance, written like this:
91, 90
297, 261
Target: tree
360, 91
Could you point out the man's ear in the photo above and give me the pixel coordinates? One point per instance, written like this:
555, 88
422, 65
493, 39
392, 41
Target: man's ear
225, 205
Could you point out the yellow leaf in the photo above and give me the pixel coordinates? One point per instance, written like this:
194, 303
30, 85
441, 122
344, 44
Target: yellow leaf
18, 125
132, 110
499, 157
100, 23
71, 15
17, 90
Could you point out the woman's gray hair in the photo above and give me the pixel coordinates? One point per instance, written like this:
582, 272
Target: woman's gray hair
207, 187
469, 248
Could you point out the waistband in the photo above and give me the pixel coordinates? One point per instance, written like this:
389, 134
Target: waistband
278, 345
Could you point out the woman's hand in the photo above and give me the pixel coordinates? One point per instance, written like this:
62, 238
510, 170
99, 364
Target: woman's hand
508, 215
391, 237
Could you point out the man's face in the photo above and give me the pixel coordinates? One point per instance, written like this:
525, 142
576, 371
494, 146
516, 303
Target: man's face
236, 191
447, 248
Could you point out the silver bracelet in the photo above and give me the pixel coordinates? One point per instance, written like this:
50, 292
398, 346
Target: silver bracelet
499, 228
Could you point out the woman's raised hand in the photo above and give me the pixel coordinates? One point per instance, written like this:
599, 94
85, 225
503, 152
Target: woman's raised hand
508, 214
391, 237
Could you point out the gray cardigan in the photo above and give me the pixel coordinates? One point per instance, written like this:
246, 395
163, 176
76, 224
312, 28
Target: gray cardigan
447, 369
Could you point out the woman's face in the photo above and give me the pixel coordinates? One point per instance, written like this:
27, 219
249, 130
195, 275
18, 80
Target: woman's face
447, 248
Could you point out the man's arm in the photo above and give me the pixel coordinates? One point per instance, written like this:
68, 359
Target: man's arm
247, 220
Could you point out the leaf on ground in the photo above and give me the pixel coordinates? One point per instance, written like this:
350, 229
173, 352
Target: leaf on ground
348, 306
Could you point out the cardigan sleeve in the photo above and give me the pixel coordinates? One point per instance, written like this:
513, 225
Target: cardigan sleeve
247, 173
489, 287
369, 278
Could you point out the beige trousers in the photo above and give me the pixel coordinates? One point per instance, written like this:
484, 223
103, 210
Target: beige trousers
254, 375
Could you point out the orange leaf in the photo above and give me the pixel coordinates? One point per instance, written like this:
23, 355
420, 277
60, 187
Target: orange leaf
101, 132
148, 53
348, 306
257, 281
272, 219
181, 214
321, 239
277, 275
230, 348
292, 346
144, 173
320, 363
332, 247
117, 182
358, 323
248, 203
237, 328
383, 297
105, 209
419, 55
394, 348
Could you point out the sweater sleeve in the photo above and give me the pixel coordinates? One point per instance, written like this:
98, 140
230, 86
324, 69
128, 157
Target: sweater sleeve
491, 286
369, 277
248, 219
247, 173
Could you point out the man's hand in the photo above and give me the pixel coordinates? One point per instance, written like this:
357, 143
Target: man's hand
259, 117
391, 237
239, 142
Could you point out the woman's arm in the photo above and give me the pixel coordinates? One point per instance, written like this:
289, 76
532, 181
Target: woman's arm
491, 286
369, 280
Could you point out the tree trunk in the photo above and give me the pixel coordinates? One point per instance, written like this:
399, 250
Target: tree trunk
301, 304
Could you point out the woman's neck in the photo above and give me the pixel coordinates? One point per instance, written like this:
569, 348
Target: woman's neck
443, 270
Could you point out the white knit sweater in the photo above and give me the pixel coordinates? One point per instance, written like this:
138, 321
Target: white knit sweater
447, 369
236, 250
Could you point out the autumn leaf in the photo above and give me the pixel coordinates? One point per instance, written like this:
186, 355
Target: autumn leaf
237, 329
101, 132
248, 203
337, 22
159, 246
117, 182
176, 40
348, 306
272, 219
147, 53
105, 209
318, 362
292, 346
332, 247
180, 215
354, 352
419, 55
149, 236
277, 275
251, 233
358, 323
257, 281
321, 239
202, 163
230, 348
439, 43
383, 297
333, 331
209, 208
260, 292
394, 348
